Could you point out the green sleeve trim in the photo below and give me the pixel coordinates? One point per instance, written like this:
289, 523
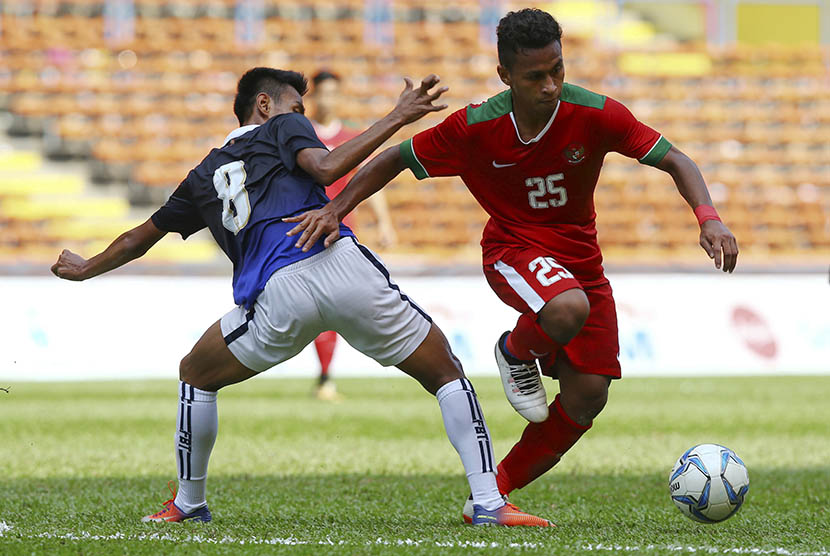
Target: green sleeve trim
657, 152
583, 97
411, 161
494, 107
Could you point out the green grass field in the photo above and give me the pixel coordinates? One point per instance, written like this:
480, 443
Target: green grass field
374, 474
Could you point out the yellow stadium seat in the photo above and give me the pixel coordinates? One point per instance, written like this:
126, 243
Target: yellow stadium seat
46, 208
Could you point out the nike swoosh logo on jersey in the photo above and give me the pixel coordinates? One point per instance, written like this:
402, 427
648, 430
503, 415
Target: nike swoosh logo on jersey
497, 165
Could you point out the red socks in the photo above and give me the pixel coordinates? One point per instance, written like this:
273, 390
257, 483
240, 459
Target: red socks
528, 341
325, 343
539, 449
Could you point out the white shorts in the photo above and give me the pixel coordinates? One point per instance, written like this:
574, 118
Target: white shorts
344, 288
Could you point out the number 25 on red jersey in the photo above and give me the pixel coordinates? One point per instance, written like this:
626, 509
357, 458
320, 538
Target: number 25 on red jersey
546, 186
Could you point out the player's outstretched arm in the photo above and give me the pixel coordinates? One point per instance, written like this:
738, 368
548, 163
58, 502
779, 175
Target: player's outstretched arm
126, 247
325, 222
715, 237
413, 104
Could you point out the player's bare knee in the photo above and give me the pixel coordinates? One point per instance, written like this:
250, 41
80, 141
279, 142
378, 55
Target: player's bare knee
587, 410
584, 396
563, 317
595, 402
595, 395
184, 369
188, 373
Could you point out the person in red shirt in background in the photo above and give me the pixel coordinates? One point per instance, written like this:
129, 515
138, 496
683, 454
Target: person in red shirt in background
531, 156
327, 102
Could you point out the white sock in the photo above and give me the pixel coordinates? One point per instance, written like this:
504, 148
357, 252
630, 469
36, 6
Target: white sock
468, 433
198, 423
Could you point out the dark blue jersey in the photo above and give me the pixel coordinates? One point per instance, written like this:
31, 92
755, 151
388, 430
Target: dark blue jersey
242, 191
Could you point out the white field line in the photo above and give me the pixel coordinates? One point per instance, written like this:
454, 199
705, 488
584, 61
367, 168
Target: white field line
226, 540
698, 549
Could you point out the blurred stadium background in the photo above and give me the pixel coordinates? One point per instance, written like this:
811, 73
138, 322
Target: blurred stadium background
106, 104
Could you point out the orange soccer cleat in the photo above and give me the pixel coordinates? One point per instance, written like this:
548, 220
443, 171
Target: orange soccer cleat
171, 512
508, 516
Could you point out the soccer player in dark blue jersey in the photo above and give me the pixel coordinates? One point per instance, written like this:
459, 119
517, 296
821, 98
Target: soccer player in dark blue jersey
271, 168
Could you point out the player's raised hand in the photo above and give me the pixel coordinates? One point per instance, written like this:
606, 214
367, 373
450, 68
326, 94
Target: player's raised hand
313, 225
69, 266
414, 104
715, 238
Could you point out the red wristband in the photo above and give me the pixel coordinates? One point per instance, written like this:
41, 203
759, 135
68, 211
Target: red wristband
706, 212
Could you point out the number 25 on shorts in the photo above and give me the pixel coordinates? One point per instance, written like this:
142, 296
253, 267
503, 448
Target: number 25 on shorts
546, 265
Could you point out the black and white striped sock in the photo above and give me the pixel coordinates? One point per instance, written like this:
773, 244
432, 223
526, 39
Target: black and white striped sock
470, 437
197, 423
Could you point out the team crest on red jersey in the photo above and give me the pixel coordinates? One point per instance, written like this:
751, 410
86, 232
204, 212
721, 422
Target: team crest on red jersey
575, 153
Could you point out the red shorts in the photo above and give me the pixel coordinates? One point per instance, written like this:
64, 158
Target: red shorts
526, 280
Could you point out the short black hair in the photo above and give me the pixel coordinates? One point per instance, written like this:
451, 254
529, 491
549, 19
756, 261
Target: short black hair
526, 29
323, 75
264, 80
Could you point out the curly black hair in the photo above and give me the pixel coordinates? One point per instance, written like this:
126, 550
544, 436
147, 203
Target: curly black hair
264, 80
526, 29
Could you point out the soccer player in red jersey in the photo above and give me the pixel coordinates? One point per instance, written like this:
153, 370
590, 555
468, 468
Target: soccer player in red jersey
327, 102
531, 156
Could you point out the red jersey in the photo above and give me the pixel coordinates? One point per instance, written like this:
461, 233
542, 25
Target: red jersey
538, 193
332, 136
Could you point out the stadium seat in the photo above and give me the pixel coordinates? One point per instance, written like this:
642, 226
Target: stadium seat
148, 108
